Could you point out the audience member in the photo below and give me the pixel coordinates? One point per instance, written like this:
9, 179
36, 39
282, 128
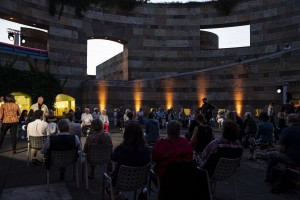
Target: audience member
152, 129
289, 150
96, 113
86, 119
37, 128
265, 129
98, 137
193, 123
250, 129
171, 149
74, 128
132, 151
60, 142
228, 147
202, 134
52, 126
105, 120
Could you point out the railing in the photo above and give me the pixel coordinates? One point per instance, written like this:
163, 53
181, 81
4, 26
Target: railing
23, 50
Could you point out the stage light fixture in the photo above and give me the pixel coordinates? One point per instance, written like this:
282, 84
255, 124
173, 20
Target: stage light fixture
22, 37
11, 36
278, 90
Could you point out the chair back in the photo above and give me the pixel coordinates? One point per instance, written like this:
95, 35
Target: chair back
184, 180
99, 154
225, 168
132, 178
36, 142
63, 158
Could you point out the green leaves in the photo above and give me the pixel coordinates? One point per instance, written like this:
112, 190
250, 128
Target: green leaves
33, 83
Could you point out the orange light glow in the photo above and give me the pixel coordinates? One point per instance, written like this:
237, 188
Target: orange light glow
137, 95
102, 94
238, 97
169, 90
201, 85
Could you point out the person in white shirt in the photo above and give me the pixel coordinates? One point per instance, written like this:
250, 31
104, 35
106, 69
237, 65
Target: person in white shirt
86, 120
40, 106
52, 126
105, 120
37, 128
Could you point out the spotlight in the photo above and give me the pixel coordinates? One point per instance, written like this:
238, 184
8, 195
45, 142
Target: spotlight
11, 36
278, 90
22, 37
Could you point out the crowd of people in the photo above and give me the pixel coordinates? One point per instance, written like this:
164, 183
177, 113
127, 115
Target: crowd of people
141, 146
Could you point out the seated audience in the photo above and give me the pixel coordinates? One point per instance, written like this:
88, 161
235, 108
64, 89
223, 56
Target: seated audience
52, 126
132, 151
60, 142
289, 150
152, 129
250, 128
227, 147
74, 128
171, 149
37, 128
105, 120
265, 129
202, 135
97, 137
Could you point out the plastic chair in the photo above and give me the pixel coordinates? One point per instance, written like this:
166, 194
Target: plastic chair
129, 179
34, 142
225, 169
98, 155
184, 180
63, 159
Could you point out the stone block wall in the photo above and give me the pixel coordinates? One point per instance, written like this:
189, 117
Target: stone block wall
165, 40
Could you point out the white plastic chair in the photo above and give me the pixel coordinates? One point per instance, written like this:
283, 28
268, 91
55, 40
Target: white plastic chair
129, 179
34, 142
63, 159
225, 169
98, 155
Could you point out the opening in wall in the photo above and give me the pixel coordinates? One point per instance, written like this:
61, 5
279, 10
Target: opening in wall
230, 37
101, 50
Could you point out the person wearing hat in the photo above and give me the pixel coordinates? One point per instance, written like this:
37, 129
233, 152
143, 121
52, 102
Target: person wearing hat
206, 109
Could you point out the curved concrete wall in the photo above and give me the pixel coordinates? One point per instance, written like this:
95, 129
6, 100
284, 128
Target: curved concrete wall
165, 40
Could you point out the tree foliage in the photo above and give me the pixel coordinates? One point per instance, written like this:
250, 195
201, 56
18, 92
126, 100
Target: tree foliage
33, 83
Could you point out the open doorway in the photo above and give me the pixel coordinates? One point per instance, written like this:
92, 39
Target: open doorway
63, 104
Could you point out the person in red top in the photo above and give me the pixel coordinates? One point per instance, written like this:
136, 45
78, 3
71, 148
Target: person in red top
174, 148
9, 117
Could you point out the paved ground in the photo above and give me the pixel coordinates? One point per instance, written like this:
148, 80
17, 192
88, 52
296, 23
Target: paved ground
18, 182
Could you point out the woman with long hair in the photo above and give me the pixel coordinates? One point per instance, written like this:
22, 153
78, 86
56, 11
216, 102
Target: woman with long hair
132, 151
9, 113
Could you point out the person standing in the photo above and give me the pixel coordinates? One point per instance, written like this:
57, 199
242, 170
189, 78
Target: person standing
206, 110
40, 106
9, 113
